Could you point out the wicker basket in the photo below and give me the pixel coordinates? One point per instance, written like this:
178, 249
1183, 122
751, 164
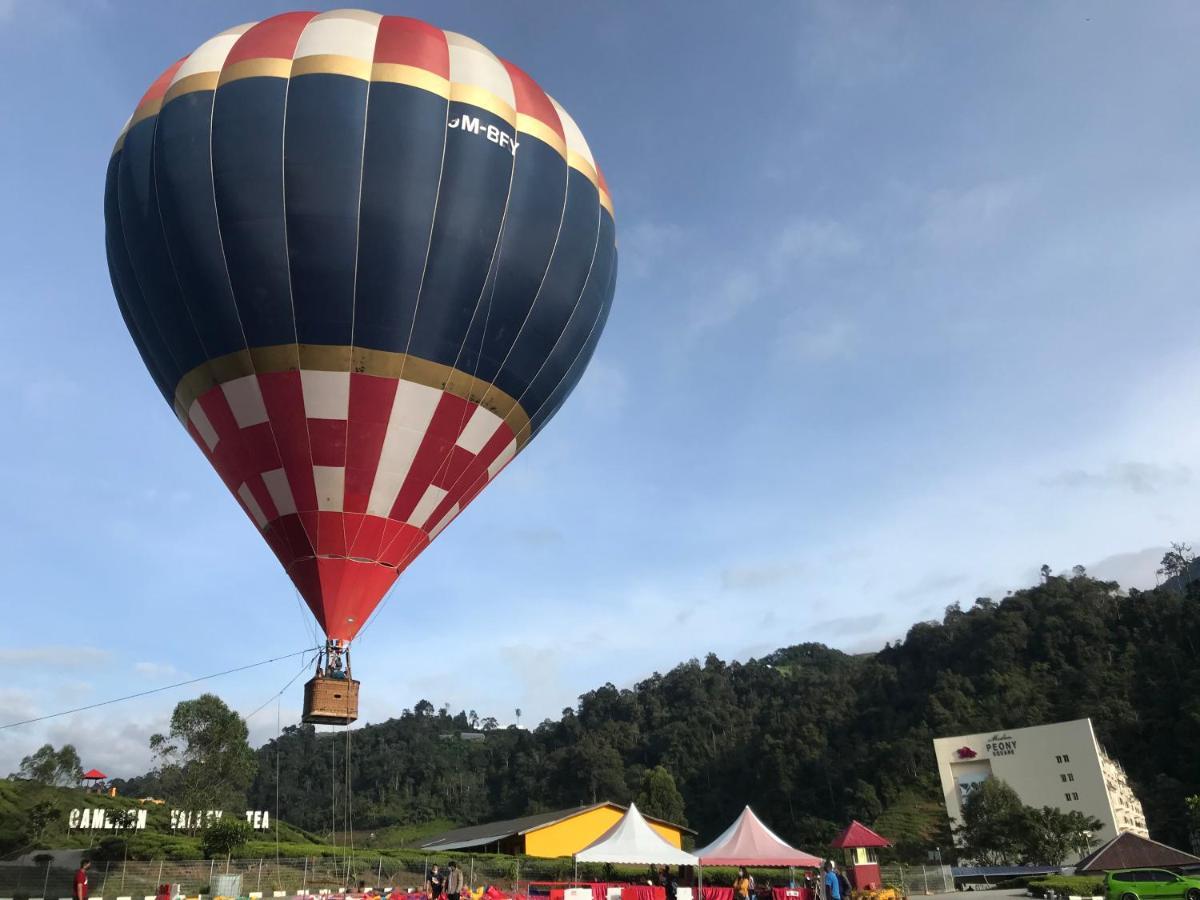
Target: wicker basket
330, 701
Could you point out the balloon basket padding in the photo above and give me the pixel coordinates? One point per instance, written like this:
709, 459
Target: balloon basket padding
330, 701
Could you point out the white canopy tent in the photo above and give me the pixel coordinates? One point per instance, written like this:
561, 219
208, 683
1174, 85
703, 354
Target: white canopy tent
634, 842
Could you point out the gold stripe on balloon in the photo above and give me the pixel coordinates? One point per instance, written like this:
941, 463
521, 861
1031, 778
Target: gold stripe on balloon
477, 96
332, 64
414, 76
359, 360
200, 81
267, 66
527, 124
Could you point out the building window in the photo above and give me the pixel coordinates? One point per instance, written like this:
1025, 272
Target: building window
1070, 776
1066, 758
1063, 777
1068, 796
1058, 759
1074, 796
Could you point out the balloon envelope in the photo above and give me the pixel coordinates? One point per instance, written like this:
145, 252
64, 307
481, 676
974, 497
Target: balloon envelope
365, 261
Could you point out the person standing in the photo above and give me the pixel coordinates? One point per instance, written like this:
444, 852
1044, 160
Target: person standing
843, 883
669, 883
833, 888
435, 883
741, 885
454, 882
81, 880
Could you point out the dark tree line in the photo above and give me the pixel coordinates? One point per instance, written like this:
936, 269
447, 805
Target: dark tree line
809, 736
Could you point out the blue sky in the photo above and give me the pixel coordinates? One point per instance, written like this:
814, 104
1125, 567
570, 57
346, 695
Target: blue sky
907, 308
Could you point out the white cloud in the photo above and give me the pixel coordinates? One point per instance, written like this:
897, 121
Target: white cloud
813, 241
157, 671
602, 390
121, 751
734, 292
803, 337
648, 246
57, 656
848, 45
934, 583
800, 246
16, 704
973, 215
756, 577
1136, 569
1138, 477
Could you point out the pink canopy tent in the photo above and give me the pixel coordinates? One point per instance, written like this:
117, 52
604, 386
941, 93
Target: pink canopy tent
748, 842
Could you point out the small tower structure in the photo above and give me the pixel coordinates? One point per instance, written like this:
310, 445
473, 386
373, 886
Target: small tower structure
859, 846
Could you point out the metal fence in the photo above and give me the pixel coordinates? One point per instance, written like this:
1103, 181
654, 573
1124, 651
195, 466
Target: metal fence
914, 880
267, 875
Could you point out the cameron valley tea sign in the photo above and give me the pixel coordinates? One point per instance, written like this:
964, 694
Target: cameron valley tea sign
98, 819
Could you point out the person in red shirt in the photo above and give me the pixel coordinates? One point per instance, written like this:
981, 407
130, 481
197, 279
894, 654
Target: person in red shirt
81, 880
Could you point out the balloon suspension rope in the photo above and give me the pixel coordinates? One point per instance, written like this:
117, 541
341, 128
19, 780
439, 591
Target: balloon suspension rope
158, 690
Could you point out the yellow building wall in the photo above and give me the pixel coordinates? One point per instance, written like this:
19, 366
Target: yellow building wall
568, 837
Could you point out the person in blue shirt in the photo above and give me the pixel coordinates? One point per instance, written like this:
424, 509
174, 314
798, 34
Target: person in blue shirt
833, 889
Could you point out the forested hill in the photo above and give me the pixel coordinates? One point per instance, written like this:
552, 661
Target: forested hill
809, 736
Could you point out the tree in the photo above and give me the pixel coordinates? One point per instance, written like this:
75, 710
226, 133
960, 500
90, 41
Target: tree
39, 816
1193, 808
659, 797
1176, 562
205, 761
224, 837
998, 829
1053, 836
59, 768
994, 821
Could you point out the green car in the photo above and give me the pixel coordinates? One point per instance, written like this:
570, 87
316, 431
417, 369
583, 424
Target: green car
1143, 884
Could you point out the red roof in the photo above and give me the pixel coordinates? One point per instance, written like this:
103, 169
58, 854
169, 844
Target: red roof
859, 835
748, 842
93, 773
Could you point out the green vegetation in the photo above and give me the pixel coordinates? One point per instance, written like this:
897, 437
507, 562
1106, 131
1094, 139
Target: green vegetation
809, 736
915, 823
205, 761
224, 838
659, 797
60, 768
1068, 885
26, 806
998, 829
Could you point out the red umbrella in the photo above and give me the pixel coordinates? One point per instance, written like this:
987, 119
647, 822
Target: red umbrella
94, 775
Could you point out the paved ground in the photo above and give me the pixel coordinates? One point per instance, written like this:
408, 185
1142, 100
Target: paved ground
987, 895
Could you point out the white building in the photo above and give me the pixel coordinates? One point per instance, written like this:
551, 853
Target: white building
1061, 765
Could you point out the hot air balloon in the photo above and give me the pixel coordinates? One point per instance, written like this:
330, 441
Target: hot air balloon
365, 261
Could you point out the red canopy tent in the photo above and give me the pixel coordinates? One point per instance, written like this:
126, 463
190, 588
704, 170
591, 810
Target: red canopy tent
748, 842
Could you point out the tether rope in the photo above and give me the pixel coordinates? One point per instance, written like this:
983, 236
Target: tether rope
158, 690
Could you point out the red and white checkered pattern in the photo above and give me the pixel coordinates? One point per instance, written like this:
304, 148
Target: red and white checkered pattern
348, 476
